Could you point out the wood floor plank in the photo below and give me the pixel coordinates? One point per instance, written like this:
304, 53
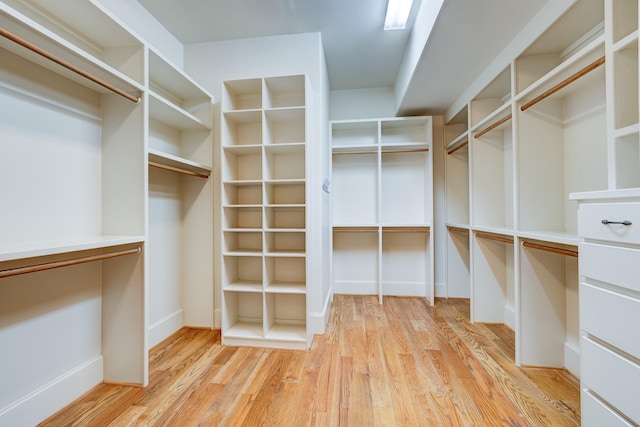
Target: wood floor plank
401, 363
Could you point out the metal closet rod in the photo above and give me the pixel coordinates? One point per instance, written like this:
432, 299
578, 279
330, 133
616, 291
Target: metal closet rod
57, 264
553, 249
493, 126
174, 169
458, 229
408, 150
595, 64
494, 237
51, 57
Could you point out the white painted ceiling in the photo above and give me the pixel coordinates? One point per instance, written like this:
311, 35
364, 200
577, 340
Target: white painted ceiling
360, 54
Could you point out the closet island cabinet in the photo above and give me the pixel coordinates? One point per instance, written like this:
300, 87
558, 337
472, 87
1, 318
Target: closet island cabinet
561, 118
86, 107
265, 212
382, 207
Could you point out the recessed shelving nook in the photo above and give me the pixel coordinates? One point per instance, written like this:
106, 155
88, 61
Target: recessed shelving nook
382, 206
265, 166
561, 118
72, 256
106, 227
180, 159
457, 205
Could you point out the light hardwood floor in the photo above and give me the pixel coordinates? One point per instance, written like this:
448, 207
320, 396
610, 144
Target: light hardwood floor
403, 363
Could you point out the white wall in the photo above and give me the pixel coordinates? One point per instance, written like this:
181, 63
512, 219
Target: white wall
140, 21
362, 103
214, 62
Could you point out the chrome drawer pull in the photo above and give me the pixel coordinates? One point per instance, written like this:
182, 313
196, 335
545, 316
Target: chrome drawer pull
625, 222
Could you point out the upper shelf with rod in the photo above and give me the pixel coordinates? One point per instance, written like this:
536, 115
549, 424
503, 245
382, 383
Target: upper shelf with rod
103, 68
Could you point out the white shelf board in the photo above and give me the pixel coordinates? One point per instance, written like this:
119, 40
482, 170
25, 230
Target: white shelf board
497, 114
245, 330
287, 332
562, 71
240, 252
457, 225
285, 253
178, 162
494, 230
550, 236
626, 41
169, 77
25, 250
356, 149
166, 112
626, 131
286, 288
460, 139
250, 286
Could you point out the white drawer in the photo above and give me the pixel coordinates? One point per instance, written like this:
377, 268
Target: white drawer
614, 378
590, 224
611, 317
597, 414
611, 264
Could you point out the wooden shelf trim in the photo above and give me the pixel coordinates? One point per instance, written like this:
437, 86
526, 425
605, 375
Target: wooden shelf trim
51, 57
457, 229
494, 237
492, 126
57, 264
572, 78
180, 170
567, 252
458, 147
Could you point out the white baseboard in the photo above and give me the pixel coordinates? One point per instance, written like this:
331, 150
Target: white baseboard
50, 398
165, 327
441, 290
217, 318
404, 289
572, 358
319, 320
355, 287
510, 317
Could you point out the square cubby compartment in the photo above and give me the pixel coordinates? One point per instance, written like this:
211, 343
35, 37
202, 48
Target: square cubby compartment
286, 242
284, 92
285, 162
243, 242
242, 194
291, 218
242, 128
242, 94
285, 126
242, 273
286, 274
242, 218
242, 163
289, 193
243, 315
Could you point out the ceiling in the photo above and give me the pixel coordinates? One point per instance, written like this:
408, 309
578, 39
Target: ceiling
359, 53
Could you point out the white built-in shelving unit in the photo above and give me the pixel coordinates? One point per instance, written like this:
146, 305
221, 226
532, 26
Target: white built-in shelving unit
382, 207
85, 107
561, 118
265, 212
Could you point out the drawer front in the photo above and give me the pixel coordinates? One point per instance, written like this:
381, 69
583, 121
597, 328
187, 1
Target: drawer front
614, 378
610, 264
590, 224
597, 414
611, 317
